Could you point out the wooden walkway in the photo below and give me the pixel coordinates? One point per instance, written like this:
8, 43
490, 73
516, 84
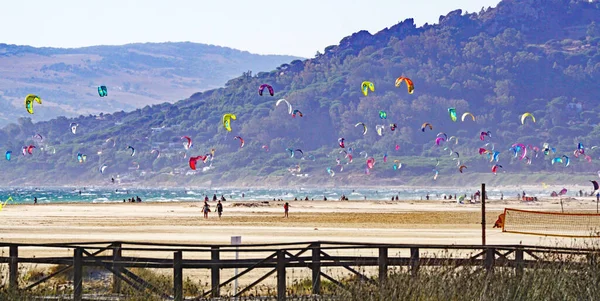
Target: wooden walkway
273, 259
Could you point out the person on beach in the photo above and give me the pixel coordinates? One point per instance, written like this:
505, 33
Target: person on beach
35, 200
220, 209
138, 199
286, 209
206, 209
206, 198
214, 197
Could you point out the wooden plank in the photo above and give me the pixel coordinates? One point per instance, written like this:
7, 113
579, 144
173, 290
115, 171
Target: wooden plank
259, 280
137, 283
116, 257
383, 270
281, 285
414, 261
177, 276
78, 274
13, 268
346, 266
519, 262
316, 269
62, 270
215, 276
490, 259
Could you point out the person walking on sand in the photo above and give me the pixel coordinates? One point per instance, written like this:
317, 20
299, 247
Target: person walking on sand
206, 209
35, 200
220, 209
286, 209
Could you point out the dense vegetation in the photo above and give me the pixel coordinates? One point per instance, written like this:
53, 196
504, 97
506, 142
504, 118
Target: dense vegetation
136, 74
532, 56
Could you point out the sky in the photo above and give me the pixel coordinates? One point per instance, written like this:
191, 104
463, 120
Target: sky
298, 28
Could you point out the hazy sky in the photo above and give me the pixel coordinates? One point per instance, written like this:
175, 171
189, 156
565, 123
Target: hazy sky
260, 26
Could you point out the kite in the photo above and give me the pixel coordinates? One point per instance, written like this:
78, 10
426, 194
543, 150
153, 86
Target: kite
366, 86
286, 102
227, 121
29, 99
241, 140
409, 84
464, 115
524, 116
262, 88
452, 112
102, 91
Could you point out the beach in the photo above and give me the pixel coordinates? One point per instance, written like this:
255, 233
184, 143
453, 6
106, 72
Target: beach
407, 222
400, 222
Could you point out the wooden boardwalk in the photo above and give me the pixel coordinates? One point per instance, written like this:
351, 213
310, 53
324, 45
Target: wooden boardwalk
273, 259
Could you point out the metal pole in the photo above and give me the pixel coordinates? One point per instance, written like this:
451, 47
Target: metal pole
483, 194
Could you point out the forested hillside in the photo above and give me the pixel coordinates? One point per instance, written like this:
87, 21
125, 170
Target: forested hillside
535, 56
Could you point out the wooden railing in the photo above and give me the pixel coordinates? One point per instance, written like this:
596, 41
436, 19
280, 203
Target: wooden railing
276, 258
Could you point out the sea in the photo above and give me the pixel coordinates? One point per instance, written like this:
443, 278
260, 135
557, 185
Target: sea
52, 195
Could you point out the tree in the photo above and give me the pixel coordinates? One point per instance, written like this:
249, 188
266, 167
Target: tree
593, 30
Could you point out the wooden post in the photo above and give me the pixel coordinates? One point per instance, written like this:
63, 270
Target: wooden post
281, 286
178, 276
215, 277
13, 268
414, 261
78, 274
382, 261
519, 262
490, 258
483, 195
116, 251
316, 269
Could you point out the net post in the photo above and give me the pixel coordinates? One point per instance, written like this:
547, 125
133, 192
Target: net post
483, 195
561, 206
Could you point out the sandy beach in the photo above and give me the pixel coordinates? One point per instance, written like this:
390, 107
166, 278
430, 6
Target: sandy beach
439, 222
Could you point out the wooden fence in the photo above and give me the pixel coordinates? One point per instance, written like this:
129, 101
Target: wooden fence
274, 258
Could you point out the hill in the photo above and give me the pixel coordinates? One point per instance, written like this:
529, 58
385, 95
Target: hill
136, 75
523, 56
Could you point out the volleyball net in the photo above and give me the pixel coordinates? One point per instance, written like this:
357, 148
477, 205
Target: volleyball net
551, 223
